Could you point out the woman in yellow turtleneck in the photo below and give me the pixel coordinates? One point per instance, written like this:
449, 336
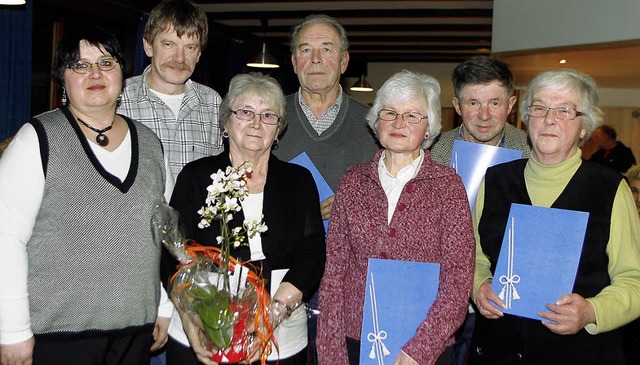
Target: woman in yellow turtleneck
561, 109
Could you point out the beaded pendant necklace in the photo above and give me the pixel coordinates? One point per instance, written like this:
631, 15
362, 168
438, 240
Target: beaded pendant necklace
101, 138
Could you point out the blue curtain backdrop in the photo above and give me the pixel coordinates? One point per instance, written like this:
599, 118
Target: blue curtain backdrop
141, 60
15, 67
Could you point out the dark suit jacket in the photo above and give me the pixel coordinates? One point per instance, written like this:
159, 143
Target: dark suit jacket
295, 238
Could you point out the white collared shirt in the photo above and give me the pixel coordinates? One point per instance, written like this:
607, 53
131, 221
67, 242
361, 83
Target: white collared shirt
393, 185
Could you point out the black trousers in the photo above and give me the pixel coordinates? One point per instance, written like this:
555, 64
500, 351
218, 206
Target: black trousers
120, 347
178, 354
512, 340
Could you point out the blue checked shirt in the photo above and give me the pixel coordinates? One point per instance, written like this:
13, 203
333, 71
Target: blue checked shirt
195, 133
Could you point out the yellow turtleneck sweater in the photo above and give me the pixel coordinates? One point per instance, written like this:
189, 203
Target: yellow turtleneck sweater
618, 303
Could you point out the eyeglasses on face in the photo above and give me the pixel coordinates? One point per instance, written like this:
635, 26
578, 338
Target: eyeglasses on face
561, 112
408, 117
84, 67
247, 115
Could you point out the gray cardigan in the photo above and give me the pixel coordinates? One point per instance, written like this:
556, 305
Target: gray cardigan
348, 141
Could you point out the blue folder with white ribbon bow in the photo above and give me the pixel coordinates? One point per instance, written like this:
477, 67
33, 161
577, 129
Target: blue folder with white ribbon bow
539, 258
398, 296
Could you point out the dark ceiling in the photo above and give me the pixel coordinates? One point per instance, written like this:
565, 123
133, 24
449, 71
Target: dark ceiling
379, 31
410, 31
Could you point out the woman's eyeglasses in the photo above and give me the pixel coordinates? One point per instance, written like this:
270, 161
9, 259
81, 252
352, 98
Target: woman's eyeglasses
561, 112
409, 117
84, 67
247, 115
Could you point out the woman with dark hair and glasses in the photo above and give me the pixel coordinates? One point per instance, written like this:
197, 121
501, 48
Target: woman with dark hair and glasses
401, 205
77, 188
560, 108
291, 253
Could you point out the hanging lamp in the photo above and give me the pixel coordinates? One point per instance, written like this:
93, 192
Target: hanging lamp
264, 59
362, 85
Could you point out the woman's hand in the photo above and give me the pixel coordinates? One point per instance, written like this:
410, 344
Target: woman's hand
570, 313
325, 207
485, 299
20, 353
286, 299
196, 338
160, 330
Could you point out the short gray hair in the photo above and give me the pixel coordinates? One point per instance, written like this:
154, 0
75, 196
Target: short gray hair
568, 80
266, 87
320, 19
405, 85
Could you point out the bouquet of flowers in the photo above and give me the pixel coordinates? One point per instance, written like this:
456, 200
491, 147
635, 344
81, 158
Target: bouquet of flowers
223, 296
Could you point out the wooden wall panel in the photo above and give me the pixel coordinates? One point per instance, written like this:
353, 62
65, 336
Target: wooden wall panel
448, 119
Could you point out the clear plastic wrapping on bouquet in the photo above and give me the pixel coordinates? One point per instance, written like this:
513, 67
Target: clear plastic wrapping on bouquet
226, 299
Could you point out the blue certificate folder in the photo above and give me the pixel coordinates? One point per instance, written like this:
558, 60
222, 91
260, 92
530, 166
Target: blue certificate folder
324, 190
539, 257
398, 296
471, 161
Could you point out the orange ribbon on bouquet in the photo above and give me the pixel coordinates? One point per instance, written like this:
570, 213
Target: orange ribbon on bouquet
263, 329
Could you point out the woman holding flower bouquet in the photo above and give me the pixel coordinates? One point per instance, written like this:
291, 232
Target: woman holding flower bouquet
290, 253
401, 205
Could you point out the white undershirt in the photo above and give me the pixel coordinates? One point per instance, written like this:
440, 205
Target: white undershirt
393, 185
22, 184
252, 208
172, 101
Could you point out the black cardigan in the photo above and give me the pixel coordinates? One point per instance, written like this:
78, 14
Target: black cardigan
295, 237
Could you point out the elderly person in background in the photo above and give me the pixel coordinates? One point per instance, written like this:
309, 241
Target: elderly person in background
484, 98
561, 109
252, 115
420, 212
324, 121
77, 189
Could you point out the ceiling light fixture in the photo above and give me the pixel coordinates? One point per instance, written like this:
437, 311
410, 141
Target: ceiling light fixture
12, 2
562, 61
264, 59
361, 85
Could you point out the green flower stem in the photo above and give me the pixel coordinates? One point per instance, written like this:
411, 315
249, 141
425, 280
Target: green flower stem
225, 251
